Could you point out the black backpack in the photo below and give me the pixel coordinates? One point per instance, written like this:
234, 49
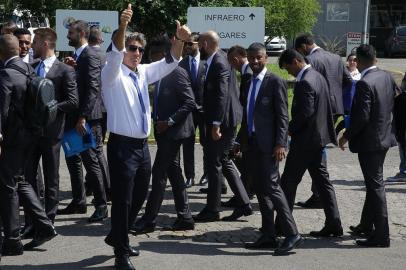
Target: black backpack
40, 104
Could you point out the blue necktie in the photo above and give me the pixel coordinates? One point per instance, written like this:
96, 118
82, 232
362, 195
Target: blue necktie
206, 67
75, 56
156, 94
251, 107
41, 69
144, 111
193, 70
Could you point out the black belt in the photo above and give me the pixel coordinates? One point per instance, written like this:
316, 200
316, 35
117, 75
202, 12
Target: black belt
130, 140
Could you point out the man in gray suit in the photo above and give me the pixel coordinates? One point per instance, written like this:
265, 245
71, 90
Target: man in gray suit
311, 129
337, 76
371, 134
173, 122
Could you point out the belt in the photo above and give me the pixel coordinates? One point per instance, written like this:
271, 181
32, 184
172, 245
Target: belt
130, 140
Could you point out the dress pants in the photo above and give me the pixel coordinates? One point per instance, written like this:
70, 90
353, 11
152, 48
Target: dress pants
219, 164
91, 162
11, 172
189, 148
265, 173
313, 160
49, 149
167, 164
375, 211
130, 170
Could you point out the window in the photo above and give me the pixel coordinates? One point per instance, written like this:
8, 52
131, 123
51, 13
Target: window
338, 12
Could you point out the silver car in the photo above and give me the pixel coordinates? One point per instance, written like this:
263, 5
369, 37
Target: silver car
276, 46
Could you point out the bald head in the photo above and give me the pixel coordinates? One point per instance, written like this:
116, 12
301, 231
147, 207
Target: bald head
208, 43
9, 47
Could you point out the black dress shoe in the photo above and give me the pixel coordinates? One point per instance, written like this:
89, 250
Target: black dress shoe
132, 252
141, 227
371, 242
41, 237
312, 203
360, 231
207, 216
27, 232
190, 182
263, 242
232, 203
72, 209
123, 263
99, 214
203, 180
245, 210
205, 190
12, 249
328, 232
182, 224
288, 244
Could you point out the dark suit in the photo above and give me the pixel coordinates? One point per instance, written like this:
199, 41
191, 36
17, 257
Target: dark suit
311, 129
271, 129
175, 100
16, 140
371, 134
221, 104
48, 145
88, 70
189, 143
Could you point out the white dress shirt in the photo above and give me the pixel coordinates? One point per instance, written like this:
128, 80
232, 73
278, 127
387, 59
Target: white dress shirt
260, 78
79, 50
124, 112
366, 70
314, 49
245, 68
48, 62
26, 58
300, 74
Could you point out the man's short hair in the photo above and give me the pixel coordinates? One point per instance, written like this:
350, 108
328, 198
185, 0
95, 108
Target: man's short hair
9, 46
21, 31
195, 36
288, 56
306, 39
8, 27
135, 36
47, 34
256, 47
240, 51
159, 44
366, 53
81, 26
95, 35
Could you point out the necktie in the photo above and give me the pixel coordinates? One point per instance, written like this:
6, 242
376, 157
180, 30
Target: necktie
193, 70
251, 107
41, 69
156, 94
206, 67
75, 56
144, 112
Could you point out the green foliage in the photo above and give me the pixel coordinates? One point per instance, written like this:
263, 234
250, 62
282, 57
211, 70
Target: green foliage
288, 17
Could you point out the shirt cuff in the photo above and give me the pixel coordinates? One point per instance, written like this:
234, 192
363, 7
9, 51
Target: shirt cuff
216, 123
114, 48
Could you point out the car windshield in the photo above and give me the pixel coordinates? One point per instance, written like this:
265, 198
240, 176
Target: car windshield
402, 31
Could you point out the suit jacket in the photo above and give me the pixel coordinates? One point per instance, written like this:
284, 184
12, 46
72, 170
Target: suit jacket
220, 97
88, 72
176, 101
312, 119
102, 56
371, 126
271, 116
66, 93
13, 89
197, 85
332, 68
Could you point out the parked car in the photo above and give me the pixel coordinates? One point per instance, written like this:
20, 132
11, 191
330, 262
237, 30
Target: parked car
396, 43
276, 46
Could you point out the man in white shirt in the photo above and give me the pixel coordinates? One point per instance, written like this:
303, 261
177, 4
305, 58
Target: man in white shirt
125, 94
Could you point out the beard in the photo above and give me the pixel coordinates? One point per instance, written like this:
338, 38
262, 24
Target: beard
203, 54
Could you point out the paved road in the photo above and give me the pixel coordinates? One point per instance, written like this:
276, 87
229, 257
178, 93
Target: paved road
220, 245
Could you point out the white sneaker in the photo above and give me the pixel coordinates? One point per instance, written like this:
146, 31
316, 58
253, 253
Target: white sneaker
399, 177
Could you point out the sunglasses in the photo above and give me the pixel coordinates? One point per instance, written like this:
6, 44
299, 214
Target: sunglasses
134, 48
190, 43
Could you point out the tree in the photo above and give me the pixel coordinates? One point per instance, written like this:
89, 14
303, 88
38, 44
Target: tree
288, 17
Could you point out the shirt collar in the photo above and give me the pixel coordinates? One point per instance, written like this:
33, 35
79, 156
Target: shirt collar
26, 58
48, 62
79, 50
210, 59
244, 68
366, 70
8, 60
314, 49
300, 74
261, 75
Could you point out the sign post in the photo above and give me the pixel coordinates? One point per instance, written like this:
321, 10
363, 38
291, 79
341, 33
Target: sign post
106, 21
234, 25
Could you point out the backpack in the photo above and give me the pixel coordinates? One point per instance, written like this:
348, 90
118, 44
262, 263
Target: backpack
40, 105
